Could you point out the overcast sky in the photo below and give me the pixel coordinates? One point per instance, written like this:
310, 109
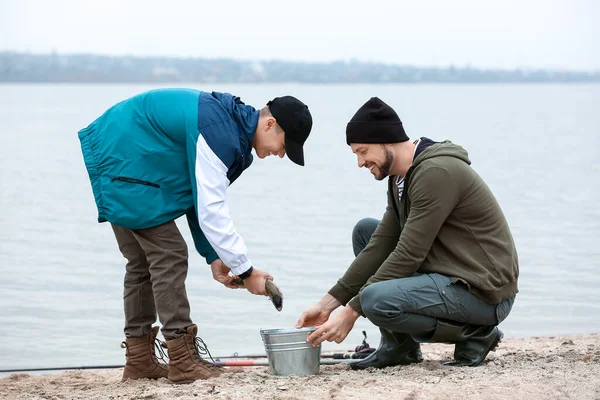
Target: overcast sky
482, 33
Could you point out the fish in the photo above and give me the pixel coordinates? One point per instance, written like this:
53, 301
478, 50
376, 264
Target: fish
273, 291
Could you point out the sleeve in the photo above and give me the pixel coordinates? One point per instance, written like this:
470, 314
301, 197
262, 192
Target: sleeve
213, 213
366, 264
200, 241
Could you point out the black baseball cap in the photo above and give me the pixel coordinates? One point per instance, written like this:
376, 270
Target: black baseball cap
294, 118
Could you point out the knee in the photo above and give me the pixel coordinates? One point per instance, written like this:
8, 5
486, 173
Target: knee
375, 304
362, 227
175, 250
133, 278
137, 263
361, 234
368, 300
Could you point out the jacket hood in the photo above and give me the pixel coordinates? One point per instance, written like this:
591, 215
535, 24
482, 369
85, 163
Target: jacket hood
445, 148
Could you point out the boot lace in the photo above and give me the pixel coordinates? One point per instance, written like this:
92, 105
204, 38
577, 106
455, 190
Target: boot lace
159, 346
202, 349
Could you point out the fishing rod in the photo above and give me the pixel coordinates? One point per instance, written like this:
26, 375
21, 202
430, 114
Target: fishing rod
347, 355
61, 368
235, 360
265, 363
228, 363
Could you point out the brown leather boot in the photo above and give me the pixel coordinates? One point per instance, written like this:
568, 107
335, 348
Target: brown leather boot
141, 358
185, 364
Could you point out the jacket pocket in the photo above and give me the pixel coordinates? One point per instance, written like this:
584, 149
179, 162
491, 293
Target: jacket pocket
134, 203
135, 181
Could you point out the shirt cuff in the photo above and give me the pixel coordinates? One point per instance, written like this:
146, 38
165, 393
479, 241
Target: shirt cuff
341, 293
240, 269
355, 304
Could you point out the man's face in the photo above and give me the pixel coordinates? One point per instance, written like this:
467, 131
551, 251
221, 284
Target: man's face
375, 157
270, 140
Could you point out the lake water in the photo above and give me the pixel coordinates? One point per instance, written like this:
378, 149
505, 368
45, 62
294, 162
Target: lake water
61, 287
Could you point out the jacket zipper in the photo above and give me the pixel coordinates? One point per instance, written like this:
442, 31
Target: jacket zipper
406, 185
134, 180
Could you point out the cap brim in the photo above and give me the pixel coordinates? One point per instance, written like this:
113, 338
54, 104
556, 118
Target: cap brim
294, 152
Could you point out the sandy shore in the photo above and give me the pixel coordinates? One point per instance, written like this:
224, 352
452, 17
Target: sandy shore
532, 368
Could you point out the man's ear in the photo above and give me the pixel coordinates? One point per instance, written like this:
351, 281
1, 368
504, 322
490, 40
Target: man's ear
270, 123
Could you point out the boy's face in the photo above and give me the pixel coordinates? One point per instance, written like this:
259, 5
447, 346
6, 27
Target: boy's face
269, 139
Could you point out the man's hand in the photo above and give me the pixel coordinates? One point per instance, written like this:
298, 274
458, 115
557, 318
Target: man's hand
256, 282
313, 316
336, 329
220, 273
318, 313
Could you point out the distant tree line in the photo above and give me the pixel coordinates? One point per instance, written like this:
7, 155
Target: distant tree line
52, 67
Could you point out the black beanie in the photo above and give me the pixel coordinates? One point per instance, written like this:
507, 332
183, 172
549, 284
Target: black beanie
375, 122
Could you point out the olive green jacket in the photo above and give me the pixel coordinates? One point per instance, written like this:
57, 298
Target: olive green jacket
448, 222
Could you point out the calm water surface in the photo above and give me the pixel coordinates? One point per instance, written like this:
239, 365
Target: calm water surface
60, 292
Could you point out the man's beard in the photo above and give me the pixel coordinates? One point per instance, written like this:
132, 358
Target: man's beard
384, 170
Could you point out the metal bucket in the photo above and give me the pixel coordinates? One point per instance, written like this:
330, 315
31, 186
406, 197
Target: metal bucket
289, 354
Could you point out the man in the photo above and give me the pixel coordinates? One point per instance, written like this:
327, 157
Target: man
162, 154
441, 266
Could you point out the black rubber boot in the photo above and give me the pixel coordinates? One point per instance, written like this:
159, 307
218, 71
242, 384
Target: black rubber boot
394, 349
472, 342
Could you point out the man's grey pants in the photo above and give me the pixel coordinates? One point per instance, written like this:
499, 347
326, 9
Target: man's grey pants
157, 264
413, 305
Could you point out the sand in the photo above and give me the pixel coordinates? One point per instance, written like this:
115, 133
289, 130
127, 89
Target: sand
532, 368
